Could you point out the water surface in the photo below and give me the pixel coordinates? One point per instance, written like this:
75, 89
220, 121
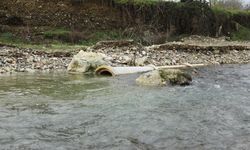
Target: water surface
57, 111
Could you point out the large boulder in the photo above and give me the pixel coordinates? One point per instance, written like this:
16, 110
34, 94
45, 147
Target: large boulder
86, 61
164, 77
175, 77
152, 78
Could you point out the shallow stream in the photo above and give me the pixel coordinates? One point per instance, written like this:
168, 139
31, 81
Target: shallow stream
58, 111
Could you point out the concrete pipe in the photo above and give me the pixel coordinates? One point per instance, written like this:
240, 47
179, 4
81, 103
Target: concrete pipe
114, 71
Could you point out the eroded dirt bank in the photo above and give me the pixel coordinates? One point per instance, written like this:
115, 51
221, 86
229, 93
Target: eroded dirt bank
81, 19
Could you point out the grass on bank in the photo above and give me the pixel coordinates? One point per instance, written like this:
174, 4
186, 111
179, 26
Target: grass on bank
82, 38
54, 47
230, 12
243, 34
61, 40
138, 2
56, 32
11, 40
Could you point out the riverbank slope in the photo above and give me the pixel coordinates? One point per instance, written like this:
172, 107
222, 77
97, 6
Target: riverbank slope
193, 50
89, 21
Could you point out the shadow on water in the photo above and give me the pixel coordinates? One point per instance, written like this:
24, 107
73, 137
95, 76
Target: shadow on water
62, 111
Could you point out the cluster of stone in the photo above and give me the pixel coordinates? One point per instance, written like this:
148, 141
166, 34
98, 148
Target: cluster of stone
14, 59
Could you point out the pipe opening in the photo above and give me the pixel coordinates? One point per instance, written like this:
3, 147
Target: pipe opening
104, 71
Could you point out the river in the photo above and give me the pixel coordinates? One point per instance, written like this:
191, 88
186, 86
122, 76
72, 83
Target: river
59, 111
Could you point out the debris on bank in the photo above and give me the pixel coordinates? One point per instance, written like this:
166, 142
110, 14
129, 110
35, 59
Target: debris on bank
172, 53
124, 53
13, 59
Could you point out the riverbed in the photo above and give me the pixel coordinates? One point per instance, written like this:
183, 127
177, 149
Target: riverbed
60, 111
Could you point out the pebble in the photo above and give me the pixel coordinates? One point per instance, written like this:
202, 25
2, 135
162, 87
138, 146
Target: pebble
158, 55
2, 71
30, 61
29, 70
126, 59
141, 61
8, 60
172, 54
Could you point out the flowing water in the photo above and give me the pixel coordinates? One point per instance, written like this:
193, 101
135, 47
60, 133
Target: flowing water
60, 111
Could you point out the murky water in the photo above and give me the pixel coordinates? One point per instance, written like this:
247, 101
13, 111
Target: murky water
60, 111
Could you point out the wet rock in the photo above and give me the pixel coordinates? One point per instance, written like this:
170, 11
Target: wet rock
152, 78
164, 77
86, 61
175, 77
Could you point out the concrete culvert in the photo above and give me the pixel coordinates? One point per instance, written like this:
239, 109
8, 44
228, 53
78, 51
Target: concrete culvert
104, 71
114, 71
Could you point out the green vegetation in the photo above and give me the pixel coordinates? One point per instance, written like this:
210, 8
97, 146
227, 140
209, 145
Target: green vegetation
82, 38
229, 12
103, 35
206, 21
138, 2
235, 16
54, 43
47, 47
9, 38
56, 32
242, 34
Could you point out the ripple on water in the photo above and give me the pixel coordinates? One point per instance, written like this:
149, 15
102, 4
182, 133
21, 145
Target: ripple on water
62, 111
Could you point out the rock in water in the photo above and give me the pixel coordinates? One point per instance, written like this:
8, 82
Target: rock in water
163, 77
86, 61
175, 77
152, 78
